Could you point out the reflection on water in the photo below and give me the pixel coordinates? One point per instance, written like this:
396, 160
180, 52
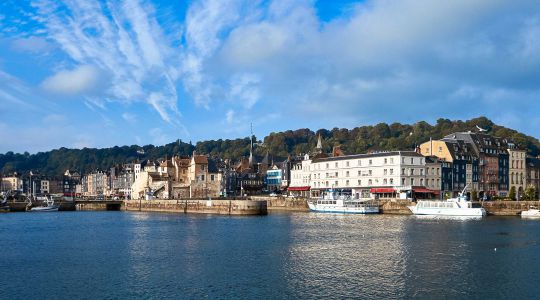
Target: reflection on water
287, 255
453, 218
342, 255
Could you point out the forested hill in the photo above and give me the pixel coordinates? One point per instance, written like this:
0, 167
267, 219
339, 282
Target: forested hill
382, 136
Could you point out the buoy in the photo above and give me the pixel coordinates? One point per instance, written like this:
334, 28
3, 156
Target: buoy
495, 249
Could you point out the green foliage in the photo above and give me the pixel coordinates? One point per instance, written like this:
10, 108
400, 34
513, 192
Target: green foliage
512, 194
474, 195
530, 193
380, 137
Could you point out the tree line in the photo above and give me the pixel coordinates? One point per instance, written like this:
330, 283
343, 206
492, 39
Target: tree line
380, 137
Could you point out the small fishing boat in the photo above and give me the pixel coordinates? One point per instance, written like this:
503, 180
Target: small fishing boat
48, 205
332, 202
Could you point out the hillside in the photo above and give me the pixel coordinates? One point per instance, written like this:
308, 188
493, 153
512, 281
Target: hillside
357, 140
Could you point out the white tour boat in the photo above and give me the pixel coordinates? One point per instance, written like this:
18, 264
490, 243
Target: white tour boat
48, 205
532, 212
331, 202
459, 206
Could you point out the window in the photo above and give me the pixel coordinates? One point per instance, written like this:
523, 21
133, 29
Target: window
336, 164
392, 181
385, 172
359, 182
402, 181
412, 181
370, 182
412, 160
347, 183
385, 161
370, 172
391, 171
347, 163
403, 171
336, 183
359, 162
385, 182
327, 165
202, 177
370, 162
337, 174
347, 174
359, 173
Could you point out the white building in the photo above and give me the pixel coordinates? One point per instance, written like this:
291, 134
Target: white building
300, 178
384, 174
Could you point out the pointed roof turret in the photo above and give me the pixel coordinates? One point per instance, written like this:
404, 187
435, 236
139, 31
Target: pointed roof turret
319, 144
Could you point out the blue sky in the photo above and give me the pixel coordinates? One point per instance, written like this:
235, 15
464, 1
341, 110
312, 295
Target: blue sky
84, 73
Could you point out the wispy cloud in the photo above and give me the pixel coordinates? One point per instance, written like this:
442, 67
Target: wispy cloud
120, 41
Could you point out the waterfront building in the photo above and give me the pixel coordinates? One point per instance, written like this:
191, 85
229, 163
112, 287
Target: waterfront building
11, 183
179, 177
121, 178
44, 186
518, 175
382, 175
273, 178
493, 167
478, 159
532, 171
96, 184
300, 185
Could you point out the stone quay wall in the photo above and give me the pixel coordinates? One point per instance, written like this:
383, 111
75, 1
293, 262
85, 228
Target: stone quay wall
220, 207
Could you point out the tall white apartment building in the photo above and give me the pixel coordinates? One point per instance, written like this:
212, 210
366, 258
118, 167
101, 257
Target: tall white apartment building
383, 174
300, 177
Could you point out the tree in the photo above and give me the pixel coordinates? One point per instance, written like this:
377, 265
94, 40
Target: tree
474, 195
512, 194
530, 192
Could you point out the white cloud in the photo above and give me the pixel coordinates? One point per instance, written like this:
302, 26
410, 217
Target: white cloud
82, 79
32, 44
386, 60
229, 116
129, 117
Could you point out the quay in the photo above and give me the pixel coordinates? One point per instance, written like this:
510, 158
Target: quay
399, 206
256, 205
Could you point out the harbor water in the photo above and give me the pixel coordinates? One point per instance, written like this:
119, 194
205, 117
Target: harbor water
126, 255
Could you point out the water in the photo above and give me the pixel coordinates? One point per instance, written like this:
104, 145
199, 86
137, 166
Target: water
96, 255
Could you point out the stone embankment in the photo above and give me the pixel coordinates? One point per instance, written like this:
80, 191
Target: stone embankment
386, 206
220, 207
283, 203
508, 208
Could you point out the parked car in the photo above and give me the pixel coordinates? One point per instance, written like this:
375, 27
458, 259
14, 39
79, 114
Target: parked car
273, 195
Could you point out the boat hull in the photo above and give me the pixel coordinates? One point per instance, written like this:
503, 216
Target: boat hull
43, 209
531, 213
344, 210
464, 212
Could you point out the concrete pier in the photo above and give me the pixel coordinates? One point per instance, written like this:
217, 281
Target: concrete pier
200, 206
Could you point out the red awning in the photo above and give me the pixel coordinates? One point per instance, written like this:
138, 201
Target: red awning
382, 190
299, 188
427, 191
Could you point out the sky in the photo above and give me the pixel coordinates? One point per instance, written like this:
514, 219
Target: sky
84, 73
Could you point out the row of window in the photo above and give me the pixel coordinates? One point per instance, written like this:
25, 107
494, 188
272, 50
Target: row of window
349, 163
370, 182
